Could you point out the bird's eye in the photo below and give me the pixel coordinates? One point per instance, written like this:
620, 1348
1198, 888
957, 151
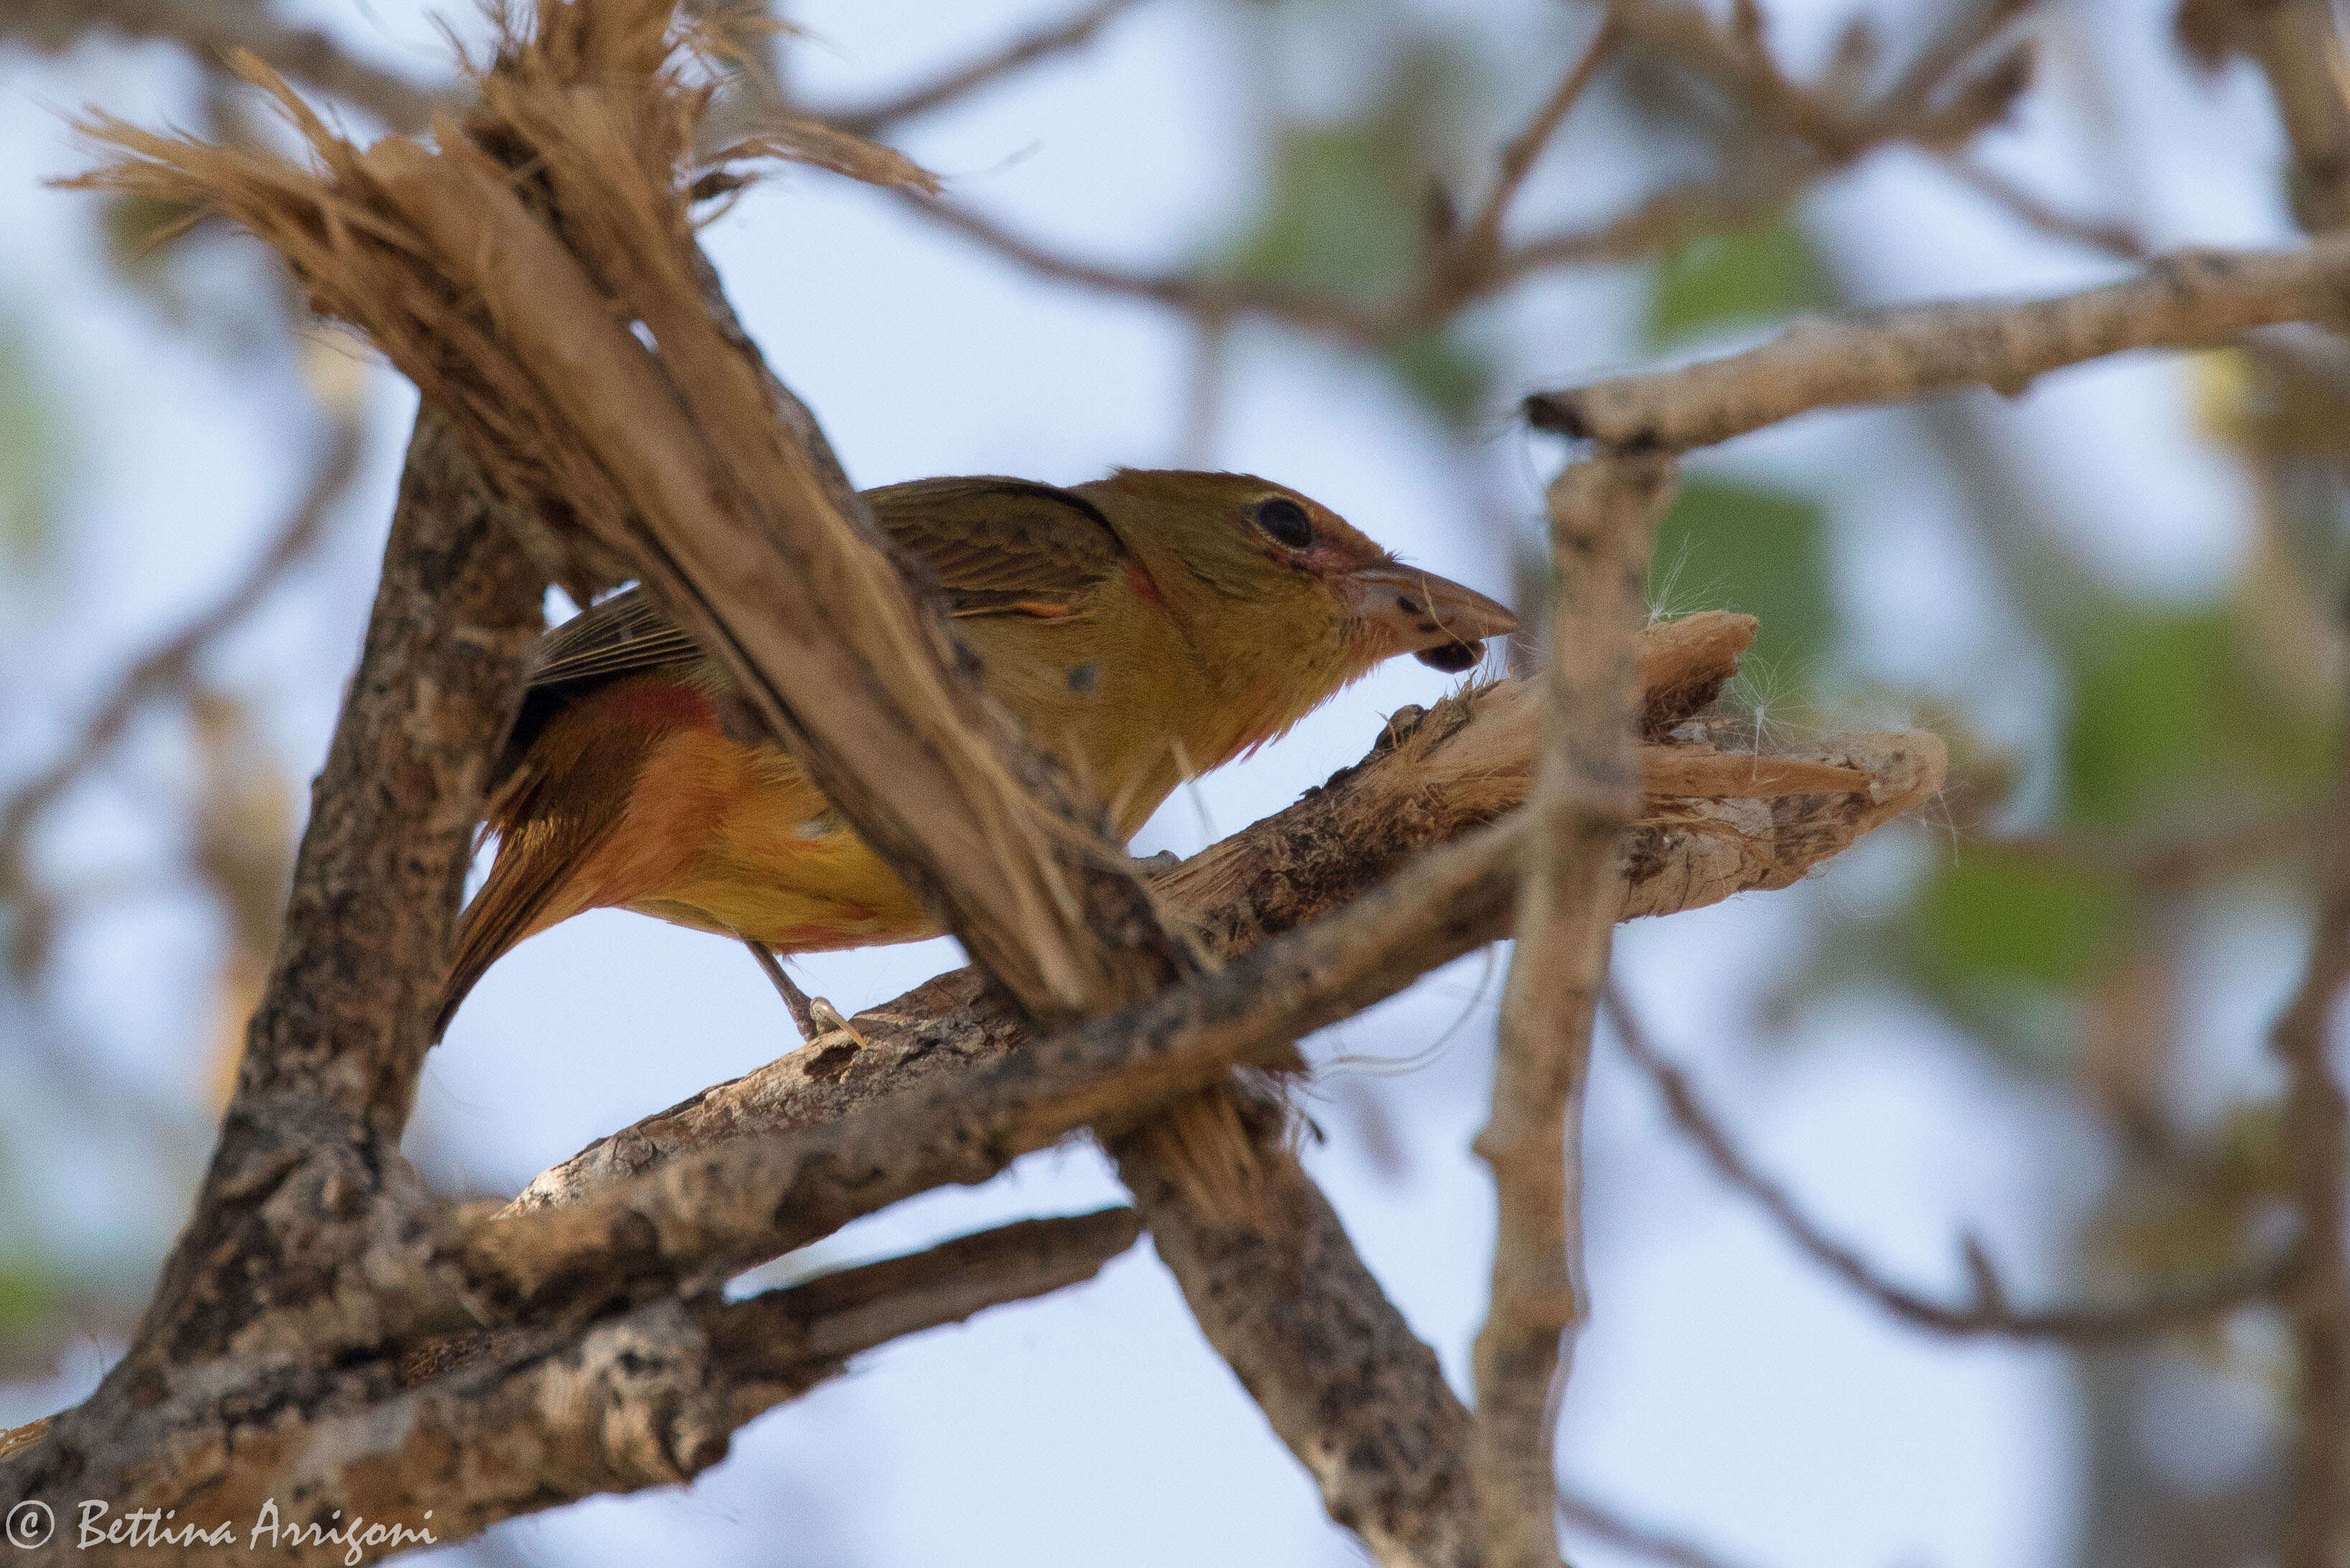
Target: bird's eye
1286, 521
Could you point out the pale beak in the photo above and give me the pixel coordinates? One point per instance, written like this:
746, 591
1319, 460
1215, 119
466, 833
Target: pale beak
1405, 610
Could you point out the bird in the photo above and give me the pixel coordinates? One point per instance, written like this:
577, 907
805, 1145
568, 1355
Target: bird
1143, 629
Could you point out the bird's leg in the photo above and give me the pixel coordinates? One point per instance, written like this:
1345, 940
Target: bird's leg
818, 1020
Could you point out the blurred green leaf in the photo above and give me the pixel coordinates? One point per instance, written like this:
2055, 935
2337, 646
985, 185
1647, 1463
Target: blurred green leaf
1721, 281
1728, 545
1447, 375
1349, 213
1338, 220
2165, 713
1995, 917
30, 1294
28, 452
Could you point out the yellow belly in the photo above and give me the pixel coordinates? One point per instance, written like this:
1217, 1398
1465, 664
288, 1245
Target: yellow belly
771, 860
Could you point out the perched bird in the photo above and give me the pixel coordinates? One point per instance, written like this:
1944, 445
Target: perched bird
1143, 629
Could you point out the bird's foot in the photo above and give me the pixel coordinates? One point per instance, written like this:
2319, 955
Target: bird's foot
830, 1027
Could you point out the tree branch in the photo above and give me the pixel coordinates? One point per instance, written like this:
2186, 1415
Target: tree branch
1345, 1382
2315, 1136
1586, 791
1432, 777
1472, 256
1026, 49
1989, 1316
2190, 299
525, 1421
167, 667
307, 1206
214, 30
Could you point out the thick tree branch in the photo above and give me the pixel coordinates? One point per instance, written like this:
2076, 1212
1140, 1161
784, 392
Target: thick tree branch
1340, 1376
1586, 792
307, 1206
649, 1397
1432, 777
2191, 299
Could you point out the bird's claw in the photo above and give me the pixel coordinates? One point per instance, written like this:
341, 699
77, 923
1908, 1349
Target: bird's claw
830, 1026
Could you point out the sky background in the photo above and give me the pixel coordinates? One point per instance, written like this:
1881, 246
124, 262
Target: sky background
1724, 1386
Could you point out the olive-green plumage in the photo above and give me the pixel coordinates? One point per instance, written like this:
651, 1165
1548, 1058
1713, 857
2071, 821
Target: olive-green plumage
1143, 629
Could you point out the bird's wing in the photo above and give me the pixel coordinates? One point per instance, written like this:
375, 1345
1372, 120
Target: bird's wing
1002, 547
998, 547
626, 632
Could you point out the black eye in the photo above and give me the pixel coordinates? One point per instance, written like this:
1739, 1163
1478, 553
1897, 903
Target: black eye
1286, 521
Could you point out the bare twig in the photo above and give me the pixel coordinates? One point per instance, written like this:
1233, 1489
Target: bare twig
1480, 243
214, 30
1020, 53
2187, 300
1989, 1316
1756, 190
2115, 239
1586, 791
2317, 1299
167, 668
1200, 295
1603, 1523
2297, 45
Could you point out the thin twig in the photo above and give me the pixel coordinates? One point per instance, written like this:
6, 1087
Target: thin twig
1988, 1316
2316, 1300
165, 669
1481, 240
1198, 294
1026, 49
1600, 1523
214, 30
2110, 238
1586, 791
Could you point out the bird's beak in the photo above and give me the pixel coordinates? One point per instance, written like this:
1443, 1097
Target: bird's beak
1405, 610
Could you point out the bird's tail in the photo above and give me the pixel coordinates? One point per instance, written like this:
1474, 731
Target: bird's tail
541, 849
517, 901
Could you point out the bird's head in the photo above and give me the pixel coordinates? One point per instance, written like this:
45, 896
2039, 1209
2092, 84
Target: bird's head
1273, 569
